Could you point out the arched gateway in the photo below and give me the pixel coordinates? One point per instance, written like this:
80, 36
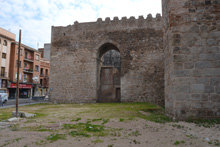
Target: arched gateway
108, 61
109, 70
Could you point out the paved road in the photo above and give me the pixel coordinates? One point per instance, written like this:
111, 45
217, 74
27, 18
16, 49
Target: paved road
22, 102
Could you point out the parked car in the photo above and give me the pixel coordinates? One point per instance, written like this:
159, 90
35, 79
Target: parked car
3, 96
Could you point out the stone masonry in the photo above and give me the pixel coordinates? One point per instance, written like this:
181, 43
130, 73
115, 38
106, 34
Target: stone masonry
182, 49
75, 55
192, 53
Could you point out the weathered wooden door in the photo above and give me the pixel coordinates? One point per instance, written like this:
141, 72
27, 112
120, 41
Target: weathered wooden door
107, 86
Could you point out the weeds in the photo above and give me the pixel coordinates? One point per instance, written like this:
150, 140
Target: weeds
179, 142
55, 137
135, 133
178, 126
207, 123
14, 127
155, 115
97, 141
76, 133
77, 119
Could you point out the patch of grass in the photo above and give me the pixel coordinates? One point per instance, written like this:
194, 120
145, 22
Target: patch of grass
55, 137
85, 126
178, 126
191, 136
136, 142
110, 145
76, 133
77, 119
14, 127
40, 115
214, 142
156, 115
87, 129
179, 142
121, 119
11, 141
97, 119
18, 139
41, 142
36, 128
135, 133
116, 133
207, 123
105, 121
97, 141
4, 115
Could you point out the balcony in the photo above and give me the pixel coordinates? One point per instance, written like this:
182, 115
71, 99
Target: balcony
41, 75
28, 70
29, 59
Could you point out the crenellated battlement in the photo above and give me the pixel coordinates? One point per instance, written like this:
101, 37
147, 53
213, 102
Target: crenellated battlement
132, 18
116, 23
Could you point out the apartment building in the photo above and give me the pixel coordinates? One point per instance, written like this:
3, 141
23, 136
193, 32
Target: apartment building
6, 38
44, 76
29, 71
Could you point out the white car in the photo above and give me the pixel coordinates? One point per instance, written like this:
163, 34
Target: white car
3, 96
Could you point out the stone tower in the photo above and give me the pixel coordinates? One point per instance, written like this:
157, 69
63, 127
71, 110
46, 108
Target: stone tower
192, 58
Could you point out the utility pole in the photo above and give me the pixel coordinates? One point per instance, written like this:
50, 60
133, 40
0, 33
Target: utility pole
18, 66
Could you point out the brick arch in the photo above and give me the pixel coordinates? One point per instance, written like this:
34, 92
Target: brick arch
114, 90
109, 43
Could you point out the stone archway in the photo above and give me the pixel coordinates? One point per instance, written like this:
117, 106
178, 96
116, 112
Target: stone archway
109, 69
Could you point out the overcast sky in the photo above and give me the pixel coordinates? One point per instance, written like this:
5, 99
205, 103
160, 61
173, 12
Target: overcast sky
35, 17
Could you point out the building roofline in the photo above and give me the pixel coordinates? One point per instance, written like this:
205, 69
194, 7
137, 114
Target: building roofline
9, 38
26, 47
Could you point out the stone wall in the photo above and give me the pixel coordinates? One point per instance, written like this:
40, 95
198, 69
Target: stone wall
75, 54
192, 53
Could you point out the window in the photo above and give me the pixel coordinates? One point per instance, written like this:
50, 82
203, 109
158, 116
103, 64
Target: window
41, 82
21, 52
37, 68
26, 55
17, 63
5, 43
46, 72
3, 71
25, 78
41, 71
4, 55
25, 65
37, 57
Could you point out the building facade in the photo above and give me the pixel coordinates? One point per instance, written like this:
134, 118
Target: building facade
6, 38
29, 70
79, 75
44, 76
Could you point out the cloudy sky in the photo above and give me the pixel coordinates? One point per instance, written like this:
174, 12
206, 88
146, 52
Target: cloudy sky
35, 17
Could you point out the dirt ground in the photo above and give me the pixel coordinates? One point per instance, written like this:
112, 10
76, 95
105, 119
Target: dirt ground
103, 125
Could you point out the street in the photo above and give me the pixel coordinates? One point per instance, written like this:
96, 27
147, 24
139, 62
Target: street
22, 102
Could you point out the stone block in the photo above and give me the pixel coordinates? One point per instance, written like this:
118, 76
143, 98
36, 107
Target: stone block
209, 57
13, 119
207, 64
188, 65
197, 88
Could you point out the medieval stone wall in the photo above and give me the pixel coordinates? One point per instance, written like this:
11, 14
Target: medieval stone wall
192, 53
75, 55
